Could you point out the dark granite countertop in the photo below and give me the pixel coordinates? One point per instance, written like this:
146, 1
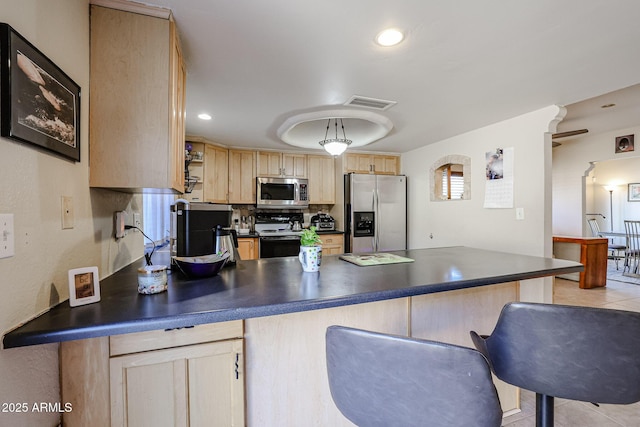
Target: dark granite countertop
275, 286
256, 235
251, 235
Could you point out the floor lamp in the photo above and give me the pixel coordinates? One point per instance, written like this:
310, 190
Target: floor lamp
610, 189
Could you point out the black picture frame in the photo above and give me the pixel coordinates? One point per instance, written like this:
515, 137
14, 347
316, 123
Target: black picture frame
39, 103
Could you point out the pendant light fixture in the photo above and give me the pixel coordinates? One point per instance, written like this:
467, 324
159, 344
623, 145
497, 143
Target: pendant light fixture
335, 146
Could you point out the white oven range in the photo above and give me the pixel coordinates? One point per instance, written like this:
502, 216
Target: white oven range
277, 239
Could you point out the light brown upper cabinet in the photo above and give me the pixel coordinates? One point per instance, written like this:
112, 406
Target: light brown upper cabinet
277, 164
372, 163
242, 177
137, 106
216, 174
322, 180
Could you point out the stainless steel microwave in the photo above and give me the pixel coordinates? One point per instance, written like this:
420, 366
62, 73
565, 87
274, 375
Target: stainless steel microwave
282, 193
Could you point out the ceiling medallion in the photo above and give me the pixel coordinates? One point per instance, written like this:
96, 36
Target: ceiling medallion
365, 126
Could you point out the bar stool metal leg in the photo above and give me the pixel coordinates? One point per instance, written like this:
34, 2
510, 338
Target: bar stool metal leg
544, 410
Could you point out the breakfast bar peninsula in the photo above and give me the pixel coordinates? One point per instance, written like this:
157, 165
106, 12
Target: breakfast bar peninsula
164, 357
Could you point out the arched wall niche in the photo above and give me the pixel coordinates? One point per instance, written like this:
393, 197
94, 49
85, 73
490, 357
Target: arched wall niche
455, 162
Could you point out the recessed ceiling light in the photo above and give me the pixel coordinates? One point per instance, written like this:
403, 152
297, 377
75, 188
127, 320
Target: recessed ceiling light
389, 37
204, 116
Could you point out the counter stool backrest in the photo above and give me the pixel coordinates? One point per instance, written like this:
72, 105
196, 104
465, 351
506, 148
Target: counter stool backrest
578, 353
386, 380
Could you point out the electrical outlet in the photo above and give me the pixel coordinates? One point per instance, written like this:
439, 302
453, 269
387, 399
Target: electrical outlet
7, 240
119, 225
136, 222
67, 212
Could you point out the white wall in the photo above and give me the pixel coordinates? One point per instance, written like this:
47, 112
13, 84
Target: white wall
574, 191
617, 173
466, 222
31, 187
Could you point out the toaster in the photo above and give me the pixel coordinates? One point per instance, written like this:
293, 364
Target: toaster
323, 222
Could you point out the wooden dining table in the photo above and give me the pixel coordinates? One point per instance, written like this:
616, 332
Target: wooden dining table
590, 252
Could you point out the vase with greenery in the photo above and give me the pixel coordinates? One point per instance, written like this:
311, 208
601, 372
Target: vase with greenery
310, 250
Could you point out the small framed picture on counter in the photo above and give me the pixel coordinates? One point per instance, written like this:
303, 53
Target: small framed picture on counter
84, 286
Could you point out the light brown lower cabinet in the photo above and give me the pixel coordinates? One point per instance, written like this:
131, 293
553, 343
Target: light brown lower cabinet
183, 377
332, 244
248, 248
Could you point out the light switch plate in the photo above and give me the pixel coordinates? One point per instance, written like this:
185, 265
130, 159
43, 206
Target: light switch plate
7, 239
67, 212
119, 224
519, 214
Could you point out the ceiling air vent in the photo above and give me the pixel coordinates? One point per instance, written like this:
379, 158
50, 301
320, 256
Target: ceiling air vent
373, 103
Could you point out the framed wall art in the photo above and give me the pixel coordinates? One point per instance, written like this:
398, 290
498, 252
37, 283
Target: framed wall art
633, 193
84, 286
39, 103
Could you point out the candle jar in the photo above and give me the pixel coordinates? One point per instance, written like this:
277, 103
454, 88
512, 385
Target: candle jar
152, 279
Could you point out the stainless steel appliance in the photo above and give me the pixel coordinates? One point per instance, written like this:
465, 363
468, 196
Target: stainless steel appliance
282, 193
323, 222
227, 240
276, 237
375, 212
193, 227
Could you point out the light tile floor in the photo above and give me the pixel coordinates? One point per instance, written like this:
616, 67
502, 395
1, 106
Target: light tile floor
615, 295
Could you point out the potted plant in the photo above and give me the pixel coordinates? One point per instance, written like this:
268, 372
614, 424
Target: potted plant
310, 250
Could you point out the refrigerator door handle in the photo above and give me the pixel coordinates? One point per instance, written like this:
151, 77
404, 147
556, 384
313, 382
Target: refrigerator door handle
376, 229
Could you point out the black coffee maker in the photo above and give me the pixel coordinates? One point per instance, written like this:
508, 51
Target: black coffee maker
194, 227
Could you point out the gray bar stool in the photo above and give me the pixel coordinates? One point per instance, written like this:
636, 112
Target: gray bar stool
386, 380
577, 353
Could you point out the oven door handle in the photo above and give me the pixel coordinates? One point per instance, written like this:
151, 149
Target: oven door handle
271, 238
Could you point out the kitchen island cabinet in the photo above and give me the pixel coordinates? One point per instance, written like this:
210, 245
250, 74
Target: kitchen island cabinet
137, 103
177, 377
285, 313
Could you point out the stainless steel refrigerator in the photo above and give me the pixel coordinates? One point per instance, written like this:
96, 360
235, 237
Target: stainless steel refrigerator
375, 212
